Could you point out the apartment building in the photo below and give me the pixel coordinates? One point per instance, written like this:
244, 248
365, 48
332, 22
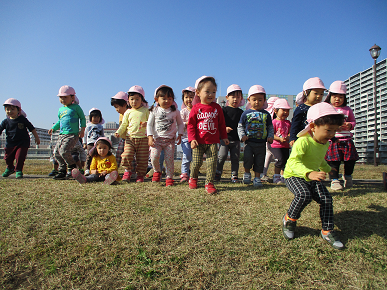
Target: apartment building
360, 97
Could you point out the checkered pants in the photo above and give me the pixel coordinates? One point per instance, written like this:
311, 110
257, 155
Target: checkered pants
138, 146
211, 151
306, 191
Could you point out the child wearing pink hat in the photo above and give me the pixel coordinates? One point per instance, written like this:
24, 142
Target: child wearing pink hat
103, 166
313, 92
206, 127
18, 139
188, 95
133, 130
94, 130
342, 149
232, 114
70, 117
255, 128
280, 146
306, 168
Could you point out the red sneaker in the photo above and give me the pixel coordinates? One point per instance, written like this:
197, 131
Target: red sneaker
169, 182
140, 178
210, 188
156, 177
126, 176
193, 183
184, 177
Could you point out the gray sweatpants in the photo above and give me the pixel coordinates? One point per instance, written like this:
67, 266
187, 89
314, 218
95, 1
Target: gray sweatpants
235, 148
63, 149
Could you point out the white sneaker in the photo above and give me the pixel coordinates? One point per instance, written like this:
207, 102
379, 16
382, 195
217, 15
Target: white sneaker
335, 185
87, 172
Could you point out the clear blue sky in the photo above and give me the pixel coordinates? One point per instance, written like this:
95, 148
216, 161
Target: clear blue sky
102, 47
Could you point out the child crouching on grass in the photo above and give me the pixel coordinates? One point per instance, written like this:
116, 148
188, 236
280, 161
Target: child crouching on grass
306, 168
103, 166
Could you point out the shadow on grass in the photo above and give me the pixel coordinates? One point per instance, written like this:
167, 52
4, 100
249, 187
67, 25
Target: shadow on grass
359, 190
361, 224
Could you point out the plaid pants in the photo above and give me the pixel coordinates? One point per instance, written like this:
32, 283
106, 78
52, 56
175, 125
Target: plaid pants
306, 191
211, 151
138, 146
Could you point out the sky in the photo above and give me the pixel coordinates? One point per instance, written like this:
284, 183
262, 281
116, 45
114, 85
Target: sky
103, 47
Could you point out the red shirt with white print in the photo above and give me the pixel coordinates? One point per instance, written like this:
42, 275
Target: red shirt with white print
206, 124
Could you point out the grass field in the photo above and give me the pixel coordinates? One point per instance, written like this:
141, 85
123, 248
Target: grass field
59, 234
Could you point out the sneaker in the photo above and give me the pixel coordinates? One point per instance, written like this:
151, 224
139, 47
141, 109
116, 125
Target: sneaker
210, 188
193, 183
156, 177
19, 174
87, 172
60, 176
140, 178
257, 182
218, 176
168, 182
53, 173
110, 178
8, 172
149, 173
333, 240
335, 185
247, 178
348, 183
283, 179
134, 176
277, 179
234, 179
77, 175
68, 175
264, 178
184, 177
126, 176
288, 227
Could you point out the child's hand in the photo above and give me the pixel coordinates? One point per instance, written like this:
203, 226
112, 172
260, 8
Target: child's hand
244, 138
84, 146
116, 135
291, 143
50, 132
81, 134
226, 141
317, 175
143, 124
194, 144
228, 129
151, 141
270, 140
103, 173
346, 126
37, 141
178, 140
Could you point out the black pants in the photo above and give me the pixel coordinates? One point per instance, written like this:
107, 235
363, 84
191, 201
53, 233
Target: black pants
348, 168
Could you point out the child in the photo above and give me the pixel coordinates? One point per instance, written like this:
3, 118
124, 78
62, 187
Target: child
306, 169
344, 149
70, 115
255, 128
18, 139
299, 99
206, 126
280, 146
120, 103
232, 114
187, 95
94, 130
164, 121
103, 166
133, 127
313, 92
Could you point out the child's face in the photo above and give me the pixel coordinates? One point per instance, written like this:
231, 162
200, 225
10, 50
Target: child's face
66, 100
95, 120
135, 101
11, 111
282, 114
207, 94
102, 149
188, 98
315, 96
322, 133
234, 99
165, 101
257, 101
337, 100
120, 109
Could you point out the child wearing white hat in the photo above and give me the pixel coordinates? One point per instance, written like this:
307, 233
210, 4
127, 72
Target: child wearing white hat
306, 168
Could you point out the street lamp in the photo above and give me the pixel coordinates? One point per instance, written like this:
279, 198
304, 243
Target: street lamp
375, 52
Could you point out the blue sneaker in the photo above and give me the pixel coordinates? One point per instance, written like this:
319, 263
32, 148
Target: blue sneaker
257, 182
247, 178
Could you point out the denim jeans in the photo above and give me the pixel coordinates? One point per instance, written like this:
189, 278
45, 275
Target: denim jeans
187, 156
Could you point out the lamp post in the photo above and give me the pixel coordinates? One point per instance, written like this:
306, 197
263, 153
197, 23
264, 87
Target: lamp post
375, 52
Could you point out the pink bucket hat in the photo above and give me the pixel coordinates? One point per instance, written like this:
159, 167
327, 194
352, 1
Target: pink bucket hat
234, 88
257, 89
66, 91
270, 102
102, 121
196, 99
137, 89
100, 138
317, 111
162, 86
190, 89
300, 98
121, 96
281, 104
313, 83
338, 87
16, 103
